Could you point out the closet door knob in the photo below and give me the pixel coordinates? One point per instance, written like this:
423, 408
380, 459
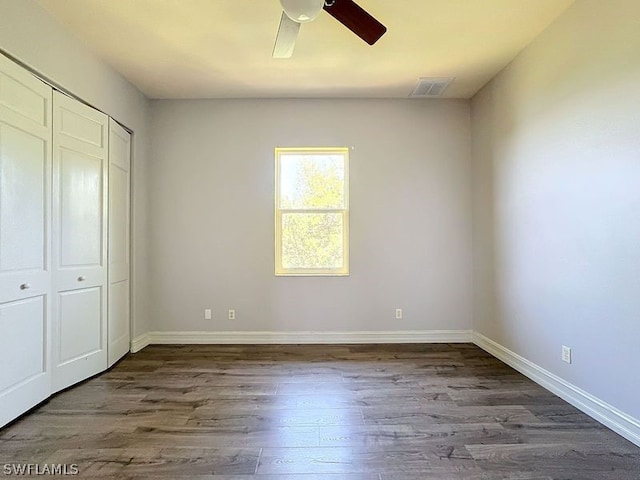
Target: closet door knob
25, 286
81, 278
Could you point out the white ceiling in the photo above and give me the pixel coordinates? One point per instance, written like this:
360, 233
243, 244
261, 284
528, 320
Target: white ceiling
222, 48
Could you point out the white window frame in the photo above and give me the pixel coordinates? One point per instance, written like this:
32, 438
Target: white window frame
279, 269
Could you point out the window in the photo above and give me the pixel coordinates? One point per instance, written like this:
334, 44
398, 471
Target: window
312, 211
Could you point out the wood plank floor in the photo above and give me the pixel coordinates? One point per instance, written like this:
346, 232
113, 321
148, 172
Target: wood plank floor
350, 412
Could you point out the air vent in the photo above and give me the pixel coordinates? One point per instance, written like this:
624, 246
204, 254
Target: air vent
431, 87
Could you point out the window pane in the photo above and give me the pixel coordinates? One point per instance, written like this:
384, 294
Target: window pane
311, 181
312, 240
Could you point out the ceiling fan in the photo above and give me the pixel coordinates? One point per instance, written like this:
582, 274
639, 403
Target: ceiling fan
347, 12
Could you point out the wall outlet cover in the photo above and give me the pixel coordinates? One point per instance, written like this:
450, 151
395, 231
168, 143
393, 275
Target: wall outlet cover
566, 354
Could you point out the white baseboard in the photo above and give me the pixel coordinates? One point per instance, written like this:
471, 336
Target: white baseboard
213, 338
140, 342
616, 420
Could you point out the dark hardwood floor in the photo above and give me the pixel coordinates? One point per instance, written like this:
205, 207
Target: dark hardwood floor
350, 412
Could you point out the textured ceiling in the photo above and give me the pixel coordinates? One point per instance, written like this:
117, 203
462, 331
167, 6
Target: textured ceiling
222, 48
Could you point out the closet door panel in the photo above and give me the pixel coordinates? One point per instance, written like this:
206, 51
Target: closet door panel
80, 219
80, 331
22, 350
25, 270
80, 173
25, 100
118, 320
119, 243
24, 173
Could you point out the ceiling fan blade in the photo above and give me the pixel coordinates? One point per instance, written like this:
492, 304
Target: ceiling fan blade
286, 38
356, 19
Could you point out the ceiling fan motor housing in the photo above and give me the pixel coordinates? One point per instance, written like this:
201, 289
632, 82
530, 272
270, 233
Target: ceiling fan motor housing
302, 11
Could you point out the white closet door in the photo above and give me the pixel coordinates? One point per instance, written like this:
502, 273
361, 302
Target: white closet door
119, 234
25, 273
80, 169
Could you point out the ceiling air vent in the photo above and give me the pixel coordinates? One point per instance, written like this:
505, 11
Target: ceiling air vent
431, 87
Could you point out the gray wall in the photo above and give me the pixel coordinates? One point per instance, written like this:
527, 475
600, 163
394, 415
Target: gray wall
30, 34
556, 153
212, 215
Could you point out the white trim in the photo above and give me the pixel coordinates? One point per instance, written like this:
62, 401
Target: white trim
140, 342
213, 338
616, 420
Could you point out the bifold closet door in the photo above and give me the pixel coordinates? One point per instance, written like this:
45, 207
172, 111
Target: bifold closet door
25, 273
80, 175
119, 232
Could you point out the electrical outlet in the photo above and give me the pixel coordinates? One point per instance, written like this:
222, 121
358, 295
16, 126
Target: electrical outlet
566, 354
232, 314
207, 314
398, 314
